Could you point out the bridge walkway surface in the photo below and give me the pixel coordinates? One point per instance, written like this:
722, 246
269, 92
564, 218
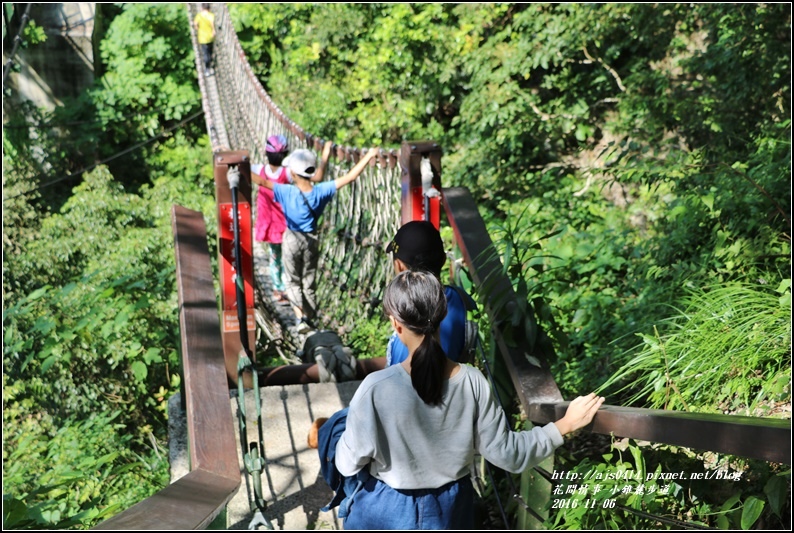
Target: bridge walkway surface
291, 481
292, 484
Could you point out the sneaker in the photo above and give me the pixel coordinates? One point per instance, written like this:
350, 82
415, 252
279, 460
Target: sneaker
335, 364
303, 326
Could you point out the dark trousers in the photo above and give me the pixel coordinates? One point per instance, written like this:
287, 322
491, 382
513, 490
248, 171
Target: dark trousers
206, 55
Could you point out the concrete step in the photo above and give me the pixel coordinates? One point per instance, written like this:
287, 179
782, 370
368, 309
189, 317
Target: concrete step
292, 484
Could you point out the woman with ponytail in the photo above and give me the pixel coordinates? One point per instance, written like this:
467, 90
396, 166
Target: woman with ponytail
413, 429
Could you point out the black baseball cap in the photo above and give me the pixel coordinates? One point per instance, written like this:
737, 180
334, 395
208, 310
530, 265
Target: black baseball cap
418, 244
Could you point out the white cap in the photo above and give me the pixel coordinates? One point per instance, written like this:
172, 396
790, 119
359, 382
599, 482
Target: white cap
302, 162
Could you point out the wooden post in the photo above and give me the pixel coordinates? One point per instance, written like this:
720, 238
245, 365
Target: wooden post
230, 323
420, 201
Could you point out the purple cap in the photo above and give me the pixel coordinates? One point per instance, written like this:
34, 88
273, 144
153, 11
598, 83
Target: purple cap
276, 144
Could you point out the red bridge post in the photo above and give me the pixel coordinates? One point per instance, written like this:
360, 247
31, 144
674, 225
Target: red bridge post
230, 323
420, 162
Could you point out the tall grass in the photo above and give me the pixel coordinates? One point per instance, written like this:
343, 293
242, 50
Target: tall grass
726, 349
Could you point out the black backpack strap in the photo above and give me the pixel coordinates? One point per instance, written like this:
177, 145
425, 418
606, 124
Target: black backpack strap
468, 301
305, 201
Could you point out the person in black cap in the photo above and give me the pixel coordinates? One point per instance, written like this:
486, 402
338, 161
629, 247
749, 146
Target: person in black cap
417, 245
400, 456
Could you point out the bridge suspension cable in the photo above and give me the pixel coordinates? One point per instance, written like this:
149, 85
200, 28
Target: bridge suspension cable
17, 42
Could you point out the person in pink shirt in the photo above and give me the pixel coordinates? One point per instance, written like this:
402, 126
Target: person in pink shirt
270, 222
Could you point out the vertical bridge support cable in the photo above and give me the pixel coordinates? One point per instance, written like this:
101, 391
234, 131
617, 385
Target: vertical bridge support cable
253, 459
232, 180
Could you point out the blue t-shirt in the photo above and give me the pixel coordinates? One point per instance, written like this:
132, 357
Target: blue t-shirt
452, 332
299, 217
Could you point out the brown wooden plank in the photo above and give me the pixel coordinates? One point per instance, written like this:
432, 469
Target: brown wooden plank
210, 427
193, 501
532, 383
768, 439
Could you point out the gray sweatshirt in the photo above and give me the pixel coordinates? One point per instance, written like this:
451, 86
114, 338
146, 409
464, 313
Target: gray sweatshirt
411, 445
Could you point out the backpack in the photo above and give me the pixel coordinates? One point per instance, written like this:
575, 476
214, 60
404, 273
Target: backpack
335, 361
471, 331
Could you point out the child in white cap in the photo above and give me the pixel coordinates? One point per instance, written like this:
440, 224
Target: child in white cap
303, 202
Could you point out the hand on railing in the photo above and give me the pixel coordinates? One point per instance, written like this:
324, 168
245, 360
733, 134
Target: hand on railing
326, 155
580, 412
354, 173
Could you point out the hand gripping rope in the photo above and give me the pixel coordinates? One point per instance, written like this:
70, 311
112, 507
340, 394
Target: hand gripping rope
253, 458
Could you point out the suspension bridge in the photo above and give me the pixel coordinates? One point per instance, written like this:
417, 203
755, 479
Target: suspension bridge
239, 454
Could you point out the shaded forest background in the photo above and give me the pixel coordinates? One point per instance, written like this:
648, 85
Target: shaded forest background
633, 162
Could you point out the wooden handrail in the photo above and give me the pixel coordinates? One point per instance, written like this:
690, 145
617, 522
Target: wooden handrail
196, 499
768, 439
527, 364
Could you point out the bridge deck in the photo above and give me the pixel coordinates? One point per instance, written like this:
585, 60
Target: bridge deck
291, 482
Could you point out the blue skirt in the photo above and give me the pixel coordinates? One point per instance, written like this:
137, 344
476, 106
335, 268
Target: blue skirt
378, 506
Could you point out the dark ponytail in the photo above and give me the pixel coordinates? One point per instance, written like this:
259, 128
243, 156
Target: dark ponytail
416, 299
275, 158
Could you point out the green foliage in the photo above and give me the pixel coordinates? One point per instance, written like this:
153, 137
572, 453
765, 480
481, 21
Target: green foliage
629, 486
90, 349
33, 34
148, 86
368, 339
20, 216
727, 349
72, 473
370, 74
600, 121
147, 55
92, 332
626, 157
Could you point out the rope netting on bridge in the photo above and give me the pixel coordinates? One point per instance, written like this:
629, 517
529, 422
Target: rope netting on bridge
356, 225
